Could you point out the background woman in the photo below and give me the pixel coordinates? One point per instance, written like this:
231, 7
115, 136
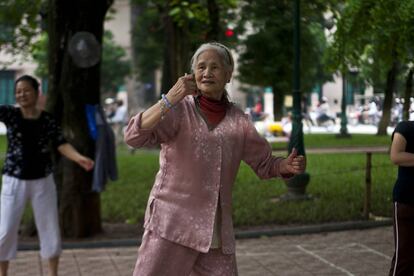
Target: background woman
27, 174
402, 154
203, 137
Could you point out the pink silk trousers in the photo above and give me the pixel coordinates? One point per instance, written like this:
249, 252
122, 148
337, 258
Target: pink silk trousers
158, 256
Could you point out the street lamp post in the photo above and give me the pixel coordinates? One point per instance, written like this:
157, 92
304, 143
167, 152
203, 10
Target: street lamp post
296, 186
343, 131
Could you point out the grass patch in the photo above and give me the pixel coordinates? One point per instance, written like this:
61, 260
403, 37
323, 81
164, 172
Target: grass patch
330, 140
337, 186
337, 189
125, 200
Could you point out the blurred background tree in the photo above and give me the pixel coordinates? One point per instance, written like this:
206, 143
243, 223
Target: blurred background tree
374, 38
114, 69
70, 88
19, 25
373, 35
166, 33
266, 54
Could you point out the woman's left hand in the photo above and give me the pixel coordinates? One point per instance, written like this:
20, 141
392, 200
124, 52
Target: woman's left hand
71, 153
293, 164
86, 163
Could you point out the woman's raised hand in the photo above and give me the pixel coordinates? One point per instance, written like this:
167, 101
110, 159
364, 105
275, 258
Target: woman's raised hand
184, 86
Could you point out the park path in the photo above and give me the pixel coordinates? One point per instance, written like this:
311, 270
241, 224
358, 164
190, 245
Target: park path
353, 252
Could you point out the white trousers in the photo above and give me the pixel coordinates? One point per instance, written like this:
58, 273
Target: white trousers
42, 194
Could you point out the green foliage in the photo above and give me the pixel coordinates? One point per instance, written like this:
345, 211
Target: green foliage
376, 34
191, 22
373, 29
114, 67
21, 33
267, 58
372, 68
19, 24
183, 12
39, 53
147, 42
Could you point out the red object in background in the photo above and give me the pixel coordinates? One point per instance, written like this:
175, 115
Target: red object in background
229, 32
258, 108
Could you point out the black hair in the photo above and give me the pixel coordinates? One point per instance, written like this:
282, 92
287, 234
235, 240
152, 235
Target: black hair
33, 82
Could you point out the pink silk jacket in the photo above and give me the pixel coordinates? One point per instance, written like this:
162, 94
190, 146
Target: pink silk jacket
198, 167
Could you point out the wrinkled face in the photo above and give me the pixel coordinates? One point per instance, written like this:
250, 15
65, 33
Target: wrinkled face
26, 95
211, 75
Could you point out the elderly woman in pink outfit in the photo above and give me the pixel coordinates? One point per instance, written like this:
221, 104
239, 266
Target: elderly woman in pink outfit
203, 138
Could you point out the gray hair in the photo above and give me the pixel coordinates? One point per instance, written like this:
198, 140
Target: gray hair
222, 50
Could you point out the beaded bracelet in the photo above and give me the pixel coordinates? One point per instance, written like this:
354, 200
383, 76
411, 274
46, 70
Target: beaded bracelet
166, 101
163, 108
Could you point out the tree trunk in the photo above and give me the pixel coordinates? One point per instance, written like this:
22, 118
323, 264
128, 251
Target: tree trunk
70, 88
169, 72
278, 103
407, 95
136, 93
213, 33
389, 90
176, 50
182, 54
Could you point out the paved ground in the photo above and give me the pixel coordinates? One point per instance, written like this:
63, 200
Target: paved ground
354, 252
